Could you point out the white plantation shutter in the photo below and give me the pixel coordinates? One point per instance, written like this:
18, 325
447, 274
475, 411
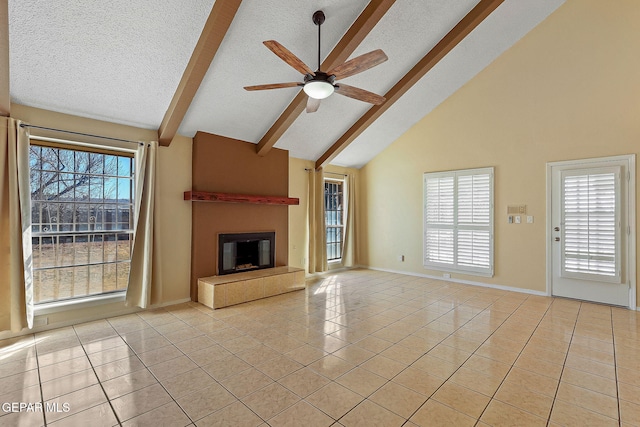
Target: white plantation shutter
439, 246
474, 220
458, 221
439, 215
439, 194
590, 224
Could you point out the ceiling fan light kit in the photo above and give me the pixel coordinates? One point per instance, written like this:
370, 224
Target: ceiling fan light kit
318, 89
319, 85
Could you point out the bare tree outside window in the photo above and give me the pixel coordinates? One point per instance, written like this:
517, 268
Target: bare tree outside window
82, 221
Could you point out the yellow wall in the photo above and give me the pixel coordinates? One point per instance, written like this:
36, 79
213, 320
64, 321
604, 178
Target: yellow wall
298, 215
174, 177
570, 89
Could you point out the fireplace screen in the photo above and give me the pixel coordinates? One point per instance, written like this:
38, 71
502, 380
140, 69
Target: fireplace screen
245, 251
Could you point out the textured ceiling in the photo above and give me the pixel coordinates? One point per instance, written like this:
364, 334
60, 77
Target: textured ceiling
118, 60
121, 61
222, 106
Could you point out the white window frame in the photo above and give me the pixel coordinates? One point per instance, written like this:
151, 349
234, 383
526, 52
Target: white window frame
337, 261
455, 227
54, 306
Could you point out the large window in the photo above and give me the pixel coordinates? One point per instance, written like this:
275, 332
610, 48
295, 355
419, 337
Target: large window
82, 221
458, 221
334, 217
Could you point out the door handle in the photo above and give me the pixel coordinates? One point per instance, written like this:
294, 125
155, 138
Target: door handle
556, 228
557, 239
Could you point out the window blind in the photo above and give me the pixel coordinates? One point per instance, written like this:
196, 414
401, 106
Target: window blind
590, 225
458, 221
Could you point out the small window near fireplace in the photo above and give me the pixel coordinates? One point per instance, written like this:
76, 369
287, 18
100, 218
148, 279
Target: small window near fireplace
245, 251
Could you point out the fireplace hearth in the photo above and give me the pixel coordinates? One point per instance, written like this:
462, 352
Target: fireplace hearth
239, 252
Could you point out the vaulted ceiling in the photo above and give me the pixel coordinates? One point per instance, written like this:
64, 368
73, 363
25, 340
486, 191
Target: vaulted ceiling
181, 66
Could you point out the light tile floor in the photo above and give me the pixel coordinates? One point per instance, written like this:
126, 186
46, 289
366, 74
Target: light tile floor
357, 348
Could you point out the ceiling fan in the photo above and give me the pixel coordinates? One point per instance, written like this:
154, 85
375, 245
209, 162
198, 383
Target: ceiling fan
319, 84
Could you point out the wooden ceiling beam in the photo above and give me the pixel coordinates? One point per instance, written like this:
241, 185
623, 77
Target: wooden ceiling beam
213, 33
444, 46
5, 97
363, 25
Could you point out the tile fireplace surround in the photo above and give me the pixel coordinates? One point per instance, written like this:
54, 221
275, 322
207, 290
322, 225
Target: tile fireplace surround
231, 289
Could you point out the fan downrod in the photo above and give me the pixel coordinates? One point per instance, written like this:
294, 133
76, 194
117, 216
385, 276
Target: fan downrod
318, 17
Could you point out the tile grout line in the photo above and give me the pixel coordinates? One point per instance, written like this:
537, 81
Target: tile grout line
147, 368
459, 305
566, 356
96, 374
512, 363
198, 367
615, 368
44, 414
408, 366
376, 354
440, 342
596, 361
154, 375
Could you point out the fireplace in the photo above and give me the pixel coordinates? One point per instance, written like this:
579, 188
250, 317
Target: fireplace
245, 251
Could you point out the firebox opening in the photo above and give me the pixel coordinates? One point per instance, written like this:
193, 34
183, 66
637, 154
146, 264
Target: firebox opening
245, 251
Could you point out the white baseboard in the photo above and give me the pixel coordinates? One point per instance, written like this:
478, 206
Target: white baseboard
328, 272
461, 281
168, 303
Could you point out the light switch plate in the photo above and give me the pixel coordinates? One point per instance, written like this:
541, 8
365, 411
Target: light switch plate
518, 219
529, 219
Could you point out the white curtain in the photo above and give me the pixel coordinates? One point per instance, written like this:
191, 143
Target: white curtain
317, 231
145, 285
16, 263
349, 246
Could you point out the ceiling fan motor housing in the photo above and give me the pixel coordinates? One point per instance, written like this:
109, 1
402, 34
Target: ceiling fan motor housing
318, 17
320, 76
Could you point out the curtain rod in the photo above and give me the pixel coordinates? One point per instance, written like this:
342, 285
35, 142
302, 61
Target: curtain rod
332, 173
24, 125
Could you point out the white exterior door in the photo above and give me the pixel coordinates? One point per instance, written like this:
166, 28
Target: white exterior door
589, 230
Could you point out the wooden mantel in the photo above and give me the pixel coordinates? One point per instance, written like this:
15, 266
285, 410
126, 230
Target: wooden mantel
206, 196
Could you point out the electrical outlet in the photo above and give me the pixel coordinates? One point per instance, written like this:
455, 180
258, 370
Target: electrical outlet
446, 276
401, 258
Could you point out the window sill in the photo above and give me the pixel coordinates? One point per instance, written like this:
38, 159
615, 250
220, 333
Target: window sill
80, 303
